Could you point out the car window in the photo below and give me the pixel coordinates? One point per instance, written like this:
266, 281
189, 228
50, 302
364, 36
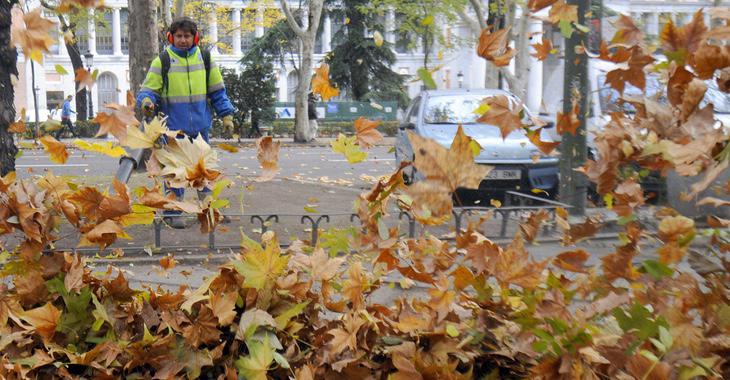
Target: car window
412, 115
454, 109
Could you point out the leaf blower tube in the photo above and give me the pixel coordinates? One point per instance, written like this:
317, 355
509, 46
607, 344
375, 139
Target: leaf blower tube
135, 159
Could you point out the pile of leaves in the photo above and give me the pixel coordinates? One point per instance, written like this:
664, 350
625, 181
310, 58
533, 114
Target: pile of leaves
470, 308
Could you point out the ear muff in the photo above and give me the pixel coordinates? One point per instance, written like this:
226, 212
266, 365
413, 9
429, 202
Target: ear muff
171, 38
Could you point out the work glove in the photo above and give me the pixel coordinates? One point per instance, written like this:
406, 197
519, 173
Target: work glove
148, 107
228, 123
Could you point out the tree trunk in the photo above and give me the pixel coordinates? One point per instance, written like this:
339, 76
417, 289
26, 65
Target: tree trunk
302, 132
573, 147
143, 43
75, 55
307, 36
167, 12
179, 8
8, 67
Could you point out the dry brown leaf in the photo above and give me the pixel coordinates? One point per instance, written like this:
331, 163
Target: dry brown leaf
502, 113
542, 49
634, 74
267, 152
531, 228
168, 262
562, 11
44, 320
85, 79
572, 261
367, 134
32, 33
494, 46
18, 126
627, 32
117, 121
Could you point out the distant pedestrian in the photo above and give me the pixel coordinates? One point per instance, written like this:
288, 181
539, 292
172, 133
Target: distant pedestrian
66, 112
312, 108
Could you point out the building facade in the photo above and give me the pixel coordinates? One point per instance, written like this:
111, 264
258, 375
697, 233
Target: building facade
109, 44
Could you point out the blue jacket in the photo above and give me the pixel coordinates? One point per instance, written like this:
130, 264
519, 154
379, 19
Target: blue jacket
187, 102
66, 110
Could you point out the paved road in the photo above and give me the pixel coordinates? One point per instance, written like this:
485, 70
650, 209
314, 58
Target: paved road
316, 165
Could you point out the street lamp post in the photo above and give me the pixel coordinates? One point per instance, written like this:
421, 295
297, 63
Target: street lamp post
460, 78
89, 104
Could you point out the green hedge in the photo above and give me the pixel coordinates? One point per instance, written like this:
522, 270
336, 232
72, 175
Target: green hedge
283, 128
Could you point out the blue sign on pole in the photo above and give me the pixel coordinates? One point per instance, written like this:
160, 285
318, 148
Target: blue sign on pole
332, 108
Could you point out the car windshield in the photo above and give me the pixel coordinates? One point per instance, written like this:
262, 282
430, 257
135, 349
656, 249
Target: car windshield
453, 109
609, 97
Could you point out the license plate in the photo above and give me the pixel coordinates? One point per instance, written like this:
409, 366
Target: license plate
498, 174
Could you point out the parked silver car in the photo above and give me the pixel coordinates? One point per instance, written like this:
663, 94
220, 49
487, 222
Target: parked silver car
437, 114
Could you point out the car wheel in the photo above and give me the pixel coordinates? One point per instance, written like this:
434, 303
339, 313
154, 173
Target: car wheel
409, 174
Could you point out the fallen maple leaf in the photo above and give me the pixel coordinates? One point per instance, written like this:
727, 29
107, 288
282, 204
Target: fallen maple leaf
168, 262
44, 320
321, 83
634, 74
188, 163
85, 79
543, 49
494, 46
367, 134
502, 113
18, 126
267, 152
531, 228
55, 149
117, 121
32, 33
627, 32
256, 364
572, 261
546, 147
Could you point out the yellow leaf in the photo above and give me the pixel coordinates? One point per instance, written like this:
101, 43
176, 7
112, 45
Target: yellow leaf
428, 20
378, 38
539, 191
347, 146
496, 203
321, 83
137, 139
55, 149
256, 364
106, 148
61, 70
260, 265
347, 20
228, 148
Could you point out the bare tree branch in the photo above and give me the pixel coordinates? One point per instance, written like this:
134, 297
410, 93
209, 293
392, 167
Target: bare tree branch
481, 20
293, 24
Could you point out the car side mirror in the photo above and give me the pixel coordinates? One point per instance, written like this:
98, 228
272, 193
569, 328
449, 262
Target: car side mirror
408, 125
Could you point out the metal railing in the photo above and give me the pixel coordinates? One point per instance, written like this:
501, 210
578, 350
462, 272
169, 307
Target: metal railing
315, 222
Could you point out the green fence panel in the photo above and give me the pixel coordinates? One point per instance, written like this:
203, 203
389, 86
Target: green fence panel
343, 111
